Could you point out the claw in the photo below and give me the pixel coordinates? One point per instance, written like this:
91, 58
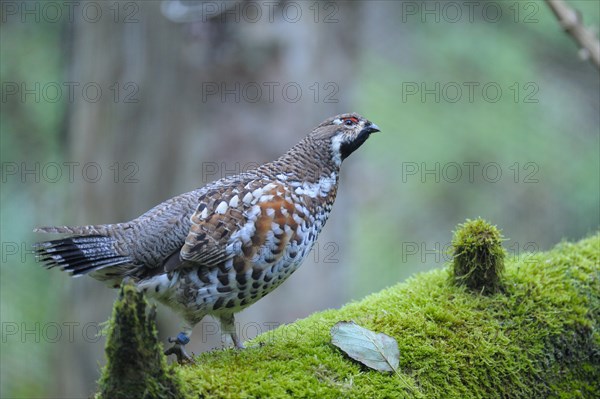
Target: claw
237, 342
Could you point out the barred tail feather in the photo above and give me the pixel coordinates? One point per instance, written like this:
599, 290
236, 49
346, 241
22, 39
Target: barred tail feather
79, 254
101, 229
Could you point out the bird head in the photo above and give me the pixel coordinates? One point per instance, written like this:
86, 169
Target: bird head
344, 134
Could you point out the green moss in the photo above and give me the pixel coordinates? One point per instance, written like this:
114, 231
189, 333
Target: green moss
539, 338
478, 256
136, 366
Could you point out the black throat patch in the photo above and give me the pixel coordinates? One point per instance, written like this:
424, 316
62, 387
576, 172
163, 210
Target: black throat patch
348, 148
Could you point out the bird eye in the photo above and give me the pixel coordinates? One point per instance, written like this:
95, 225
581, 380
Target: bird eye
350, 121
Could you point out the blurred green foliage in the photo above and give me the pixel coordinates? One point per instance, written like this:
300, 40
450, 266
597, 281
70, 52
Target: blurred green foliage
29, 131
547, 150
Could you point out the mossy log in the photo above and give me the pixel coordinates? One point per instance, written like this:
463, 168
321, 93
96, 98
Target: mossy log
538, 337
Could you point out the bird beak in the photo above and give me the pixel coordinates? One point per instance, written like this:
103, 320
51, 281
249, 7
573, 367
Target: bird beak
370, 128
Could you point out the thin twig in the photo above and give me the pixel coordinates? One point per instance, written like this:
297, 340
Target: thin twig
572, 22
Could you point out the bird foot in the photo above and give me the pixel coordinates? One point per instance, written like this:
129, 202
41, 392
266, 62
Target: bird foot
229, 340
179, 349
239, 346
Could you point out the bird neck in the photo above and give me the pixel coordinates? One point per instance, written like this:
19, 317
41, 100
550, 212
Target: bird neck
307, 161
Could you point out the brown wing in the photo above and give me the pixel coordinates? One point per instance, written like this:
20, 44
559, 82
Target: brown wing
226, 223
218, 215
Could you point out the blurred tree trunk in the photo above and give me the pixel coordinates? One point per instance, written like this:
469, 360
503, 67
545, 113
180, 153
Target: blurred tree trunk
155, 126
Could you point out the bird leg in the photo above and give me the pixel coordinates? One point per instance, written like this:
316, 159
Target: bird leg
228, 330
178, 348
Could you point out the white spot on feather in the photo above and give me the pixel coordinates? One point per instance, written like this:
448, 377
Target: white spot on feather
257, 193
297, 219
222, 208
204, 213
253, 213
276, 228
247, 198
234, 202
319, 189
247, 231
266, 198
301, 208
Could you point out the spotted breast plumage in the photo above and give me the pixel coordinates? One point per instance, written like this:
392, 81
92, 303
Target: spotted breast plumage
222, 247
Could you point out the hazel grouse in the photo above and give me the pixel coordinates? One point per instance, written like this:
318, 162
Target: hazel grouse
220, 248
